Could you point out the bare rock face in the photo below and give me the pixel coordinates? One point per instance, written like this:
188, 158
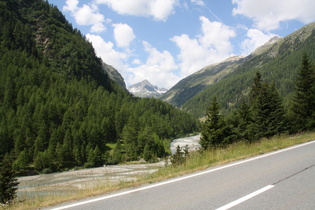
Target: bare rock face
145, 89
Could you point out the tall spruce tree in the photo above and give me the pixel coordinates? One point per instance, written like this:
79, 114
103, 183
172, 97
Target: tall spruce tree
303, 104
267, 110
8, 182
215, 131
244, 121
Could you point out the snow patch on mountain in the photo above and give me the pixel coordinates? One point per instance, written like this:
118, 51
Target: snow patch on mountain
146, 89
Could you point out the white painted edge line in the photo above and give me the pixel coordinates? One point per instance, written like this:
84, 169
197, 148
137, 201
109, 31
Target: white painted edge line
245, 198
182, 178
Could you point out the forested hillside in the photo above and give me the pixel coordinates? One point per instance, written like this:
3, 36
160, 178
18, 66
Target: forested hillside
278, 63
261, 113
59, 109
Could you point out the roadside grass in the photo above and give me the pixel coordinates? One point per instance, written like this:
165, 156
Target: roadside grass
196, 161
202, 160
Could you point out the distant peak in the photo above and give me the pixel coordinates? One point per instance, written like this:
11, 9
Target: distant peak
146, 89
145, 81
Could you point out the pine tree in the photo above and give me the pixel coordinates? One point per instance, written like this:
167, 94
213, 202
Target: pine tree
256, 88
278, 121
244, 121
267, 110
8, 182
303, 104
215, 131
178, 157
117, 154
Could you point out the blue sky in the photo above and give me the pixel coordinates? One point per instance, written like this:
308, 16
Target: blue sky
165, 41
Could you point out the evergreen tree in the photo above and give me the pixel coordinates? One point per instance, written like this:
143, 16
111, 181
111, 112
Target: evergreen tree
215, 131
303, 103
178, 157
117, 154
22, 161
8, 182
256, 88
244, 122
267, 110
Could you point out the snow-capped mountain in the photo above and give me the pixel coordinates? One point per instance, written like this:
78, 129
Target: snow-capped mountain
146, 89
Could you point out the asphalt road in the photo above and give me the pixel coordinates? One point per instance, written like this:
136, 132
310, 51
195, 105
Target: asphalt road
284, 179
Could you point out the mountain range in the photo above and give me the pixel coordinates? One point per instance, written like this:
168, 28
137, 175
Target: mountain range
146, 89
229, 80
277, 60
207, 76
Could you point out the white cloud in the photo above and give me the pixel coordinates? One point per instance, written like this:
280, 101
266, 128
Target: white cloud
136, 62
158, 69
255, 39
158, 9
105, 51
268, 14
123, 35
213, 45
86, 15
71, 5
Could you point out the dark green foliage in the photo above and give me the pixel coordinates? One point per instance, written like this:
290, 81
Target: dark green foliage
8, 182
215, 132
153, 147
58, 109
303, 103
243, 122
263, 116
178, 157
268, 114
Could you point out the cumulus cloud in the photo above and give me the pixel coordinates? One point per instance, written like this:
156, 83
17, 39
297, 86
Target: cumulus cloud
255, 39
158, 69
123, 35
86, 15
158, 9
268, 15
213, 45
71, 5
106, 51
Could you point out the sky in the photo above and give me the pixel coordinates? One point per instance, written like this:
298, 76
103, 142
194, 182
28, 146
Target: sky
165, 41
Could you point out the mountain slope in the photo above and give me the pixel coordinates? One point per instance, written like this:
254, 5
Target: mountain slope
114, 75
209, 75
199, 81
58, 107
278, 64
146, 89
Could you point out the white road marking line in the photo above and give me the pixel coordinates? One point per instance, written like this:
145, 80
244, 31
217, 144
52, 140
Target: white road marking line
245, 198
181, 178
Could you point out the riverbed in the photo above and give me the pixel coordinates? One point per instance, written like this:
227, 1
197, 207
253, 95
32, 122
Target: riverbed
191, 141
62, 182
78, 179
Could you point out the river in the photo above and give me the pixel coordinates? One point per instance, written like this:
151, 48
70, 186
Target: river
191, 141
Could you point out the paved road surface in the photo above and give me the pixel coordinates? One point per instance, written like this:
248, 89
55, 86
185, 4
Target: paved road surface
283, 179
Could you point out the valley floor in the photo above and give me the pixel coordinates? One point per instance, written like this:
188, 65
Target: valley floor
82, 179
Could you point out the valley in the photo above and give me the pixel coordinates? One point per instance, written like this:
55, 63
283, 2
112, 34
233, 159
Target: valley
69, 118
69, 182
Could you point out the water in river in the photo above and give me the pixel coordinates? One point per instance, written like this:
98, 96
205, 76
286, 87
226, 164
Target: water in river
192, 142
